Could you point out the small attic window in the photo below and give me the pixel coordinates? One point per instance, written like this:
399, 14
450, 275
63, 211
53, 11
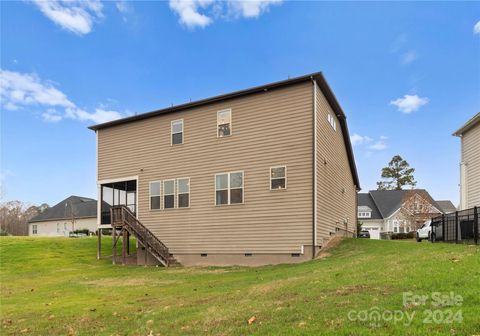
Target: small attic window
332, 121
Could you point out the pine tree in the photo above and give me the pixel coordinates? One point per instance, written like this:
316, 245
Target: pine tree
397, 175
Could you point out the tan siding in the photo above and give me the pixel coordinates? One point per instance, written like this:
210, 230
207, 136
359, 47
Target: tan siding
269, 129
471, 156
333, 175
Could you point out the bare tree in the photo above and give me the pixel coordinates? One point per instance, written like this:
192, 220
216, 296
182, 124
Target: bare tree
14, 217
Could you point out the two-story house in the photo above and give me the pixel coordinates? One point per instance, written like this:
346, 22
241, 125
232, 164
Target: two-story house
395, 211
470, 163
258, 176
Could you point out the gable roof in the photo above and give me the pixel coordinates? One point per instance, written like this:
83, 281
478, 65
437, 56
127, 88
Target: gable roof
446, 206
316, 76
389, 201
365, 199
82, 207
468, 125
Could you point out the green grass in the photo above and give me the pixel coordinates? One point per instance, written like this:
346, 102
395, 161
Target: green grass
55, 286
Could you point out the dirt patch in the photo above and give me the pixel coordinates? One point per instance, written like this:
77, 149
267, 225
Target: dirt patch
127, 282
332, 243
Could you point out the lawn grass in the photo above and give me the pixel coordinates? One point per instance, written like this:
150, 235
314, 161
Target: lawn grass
55, 286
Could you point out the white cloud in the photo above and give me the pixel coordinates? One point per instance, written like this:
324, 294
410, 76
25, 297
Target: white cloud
201, 13
409, 103
124, 8
378, 145
76, 16
358, 139
476, 28
250, 8
51, 115
408, 57
19, 91
188, 10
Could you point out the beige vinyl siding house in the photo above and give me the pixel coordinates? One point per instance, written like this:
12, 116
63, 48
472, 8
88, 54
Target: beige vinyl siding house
233, 149
470, 163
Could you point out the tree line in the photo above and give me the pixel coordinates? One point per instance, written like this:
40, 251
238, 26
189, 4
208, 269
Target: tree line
14, 217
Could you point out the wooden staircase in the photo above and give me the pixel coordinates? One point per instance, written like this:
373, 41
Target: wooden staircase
124, 220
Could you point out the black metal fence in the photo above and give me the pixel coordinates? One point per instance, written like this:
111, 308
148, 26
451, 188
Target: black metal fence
457, 227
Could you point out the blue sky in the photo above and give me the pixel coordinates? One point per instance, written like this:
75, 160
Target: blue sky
407, 75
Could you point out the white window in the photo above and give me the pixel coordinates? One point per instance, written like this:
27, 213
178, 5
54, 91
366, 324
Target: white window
183, 192
224, 123
58, 227
364, 214
34, 229
331, 120
278, 178
155, 195
177, 132
229, 188
169, 194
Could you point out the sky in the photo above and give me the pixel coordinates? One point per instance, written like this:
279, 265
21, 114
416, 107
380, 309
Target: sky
407, 75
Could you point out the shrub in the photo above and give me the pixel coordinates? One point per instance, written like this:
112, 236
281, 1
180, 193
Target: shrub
403, 235
81, 231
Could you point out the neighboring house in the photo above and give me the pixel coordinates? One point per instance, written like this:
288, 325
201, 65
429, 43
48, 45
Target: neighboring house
259, 176
73, 213
470, 163
395, 211
446, 206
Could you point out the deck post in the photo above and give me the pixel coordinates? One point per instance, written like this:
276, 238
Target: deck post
124, 246
114, 243
128, 243
99, 243
146, 251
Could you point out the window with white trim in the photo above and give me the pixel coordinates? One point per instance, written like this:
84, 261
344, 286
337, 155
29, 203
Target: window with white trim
183, 192
34, 229
364, 214
169, 194
155, 195
229, 188
278, 178
224, 123
177, 132
332, 122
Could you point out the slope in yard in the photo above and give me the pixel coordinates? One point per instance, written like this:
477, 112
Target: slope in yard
56, 286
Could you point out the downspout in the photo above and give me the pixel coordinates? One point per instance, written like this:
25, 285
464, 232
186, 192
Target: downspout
314, 167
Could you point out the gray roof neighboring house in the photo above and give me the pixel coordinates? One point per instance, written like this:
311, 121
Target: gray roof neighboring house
447, 206
388, 201
364, 199
73, 206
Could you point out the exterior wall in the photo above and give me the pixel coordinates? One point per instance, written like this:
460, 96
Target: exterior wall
62, 227
269, 129
336, 191
470, 182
